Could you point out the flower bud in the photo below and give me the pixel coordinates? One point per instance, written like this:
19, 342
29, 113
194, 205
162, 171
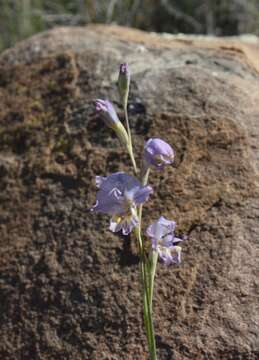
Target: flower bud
158, 153
123, 83
107, 111
110, 117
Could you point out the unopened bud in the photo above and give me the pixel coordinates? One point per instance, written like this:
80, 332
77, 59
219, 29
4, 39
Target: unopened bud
158, 153
110, 117
123, 83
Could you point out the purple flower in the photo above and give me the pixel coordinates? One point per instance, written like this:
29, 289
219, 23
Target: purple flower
110, 117
158, 153
107, 111
164, 242
118, 195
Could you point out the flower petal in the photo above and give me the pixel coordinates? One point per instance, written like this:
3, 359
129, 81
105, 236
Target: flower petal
162, 228
170, 254
115, 224
154, 231
121, 181
142, 194
108, 203
128, 225
168, 225
99, 180
124, 223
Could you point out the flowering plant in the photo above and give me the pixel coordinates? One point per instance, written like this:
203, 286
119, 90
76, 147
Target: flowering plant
122, 196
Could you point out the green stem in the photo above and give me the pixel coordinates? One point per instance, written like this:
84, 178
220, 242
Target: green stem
144, 183
127, 123
152, 277
146, 294
145, 176
130, 149
147, 275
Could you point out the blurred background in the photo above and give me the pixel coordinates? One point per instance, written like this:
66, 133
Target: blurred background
22, 18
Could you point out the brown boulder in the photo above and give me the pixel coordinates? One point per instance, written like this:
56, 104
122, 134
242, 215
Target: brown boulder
69, 289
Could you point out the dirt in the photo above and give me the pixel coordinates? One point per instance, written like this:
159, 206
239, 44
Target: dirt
69, 288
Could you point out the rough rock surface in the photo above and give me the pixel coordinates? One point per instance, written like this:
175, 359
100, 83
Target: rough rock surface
69, 289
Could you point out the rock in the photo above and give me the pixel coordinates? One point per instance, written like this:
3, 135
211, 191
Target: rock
69, 289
